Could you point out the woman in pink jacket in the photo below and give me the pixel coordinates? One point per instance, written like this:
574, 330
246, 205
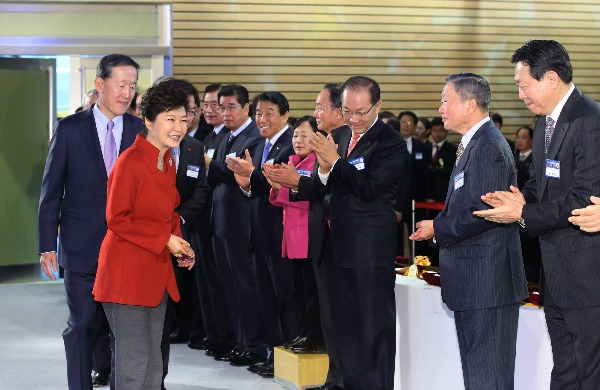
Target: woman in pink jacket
295, 242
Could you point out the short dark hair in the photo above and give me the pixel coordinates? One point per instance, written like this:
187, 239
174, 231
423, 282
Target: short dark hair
472, 86
425, 122
386, 114
542, 56
107, 63
312, 121
239, 92
394, 124
163, 97
335, 94
188, 88
275, 98
497, 118
529, 130
409, 113
214, 87
436, 121
356, 83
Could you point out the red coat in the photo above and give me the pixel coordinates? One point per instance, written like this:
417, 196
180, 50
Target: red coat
134, 267
295, 214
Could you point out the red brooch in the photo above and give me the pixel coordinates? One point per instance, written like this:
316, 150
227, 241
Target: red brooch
189, 149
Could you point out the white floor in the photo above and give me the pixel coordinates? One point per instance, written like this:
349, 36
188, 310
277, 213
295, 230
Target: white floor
32, 318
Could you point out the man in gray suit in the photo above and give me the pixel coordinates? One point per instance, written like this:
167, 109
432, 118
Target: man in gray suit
563, 176
480, 261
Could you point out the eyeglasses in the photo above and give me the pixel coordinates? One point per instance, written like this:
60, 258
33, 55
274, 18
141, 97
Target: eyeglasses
348, 114
192, 113
229, 108
319, 109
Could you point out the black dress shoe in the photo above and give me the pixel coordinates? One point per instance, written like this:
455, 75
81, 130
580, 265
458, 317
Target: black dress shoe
205, 343
255, 368
100, 379
246, 359
219, 349
229, 356
289, 344
309, 346
268, 371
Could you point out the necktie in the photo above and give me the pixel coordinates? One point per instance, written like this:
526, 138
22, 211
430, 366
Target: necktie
522, 157
436, 150
459, 152
353, 142
266, 151
229, 143
110, 148
549, 130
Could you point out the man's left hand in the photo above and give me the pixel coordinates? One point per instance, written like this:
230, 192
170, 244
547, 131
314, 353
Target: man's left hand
242, 167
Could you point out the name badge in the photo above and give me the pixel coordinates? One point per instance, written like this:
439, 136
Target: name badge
359, 163
232, 155
210, 152
553, 168
304, 172
459, 180
192, 171
270, 161
418, 156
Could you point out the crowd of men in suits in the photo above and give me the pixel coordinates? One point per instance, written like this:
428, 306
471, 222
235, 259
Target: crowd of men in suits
238, 301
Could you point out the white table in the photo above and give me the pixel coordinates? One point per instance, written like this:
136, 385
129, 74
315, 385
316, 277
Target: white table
427, 355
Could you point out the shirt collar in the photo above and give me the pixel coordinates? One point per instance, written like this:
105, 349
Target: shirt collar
469, 134
242, 128
276, 136
102, 120
218, 129
556, 113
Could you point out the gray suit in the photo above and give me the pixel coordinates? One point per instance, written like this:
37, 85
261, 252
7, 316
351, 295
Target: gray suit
480, 263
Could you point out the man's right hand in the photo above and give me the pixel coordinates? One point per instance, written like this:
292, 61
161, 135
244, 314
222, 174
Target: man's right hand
49, 263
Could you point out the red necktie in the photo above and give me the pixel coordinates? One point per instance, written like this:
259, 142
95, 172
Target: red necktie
436, 150
353, 142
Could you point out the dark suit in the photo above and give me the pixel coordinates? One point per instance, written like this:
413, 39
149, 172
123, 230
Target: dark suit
203, 130
320, 251
530, 246
215, 314
193, 195
480, 263
362, 279
74, 197
230, 225
274, 278
569, 255
418, 188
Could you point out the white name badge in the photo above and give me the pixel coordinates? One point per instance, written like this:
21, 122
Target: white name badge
459, 180
418, 156
270, 161
359, 163
232, 155
211, 153
304, 172
553, 168
192, 171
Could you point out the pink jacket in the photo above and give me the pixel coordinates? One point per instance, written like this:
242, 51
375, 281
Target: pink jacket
295, 214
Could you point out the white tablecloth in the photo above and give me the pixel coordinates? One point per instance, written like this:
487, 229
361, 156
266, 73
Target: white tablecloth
427, 355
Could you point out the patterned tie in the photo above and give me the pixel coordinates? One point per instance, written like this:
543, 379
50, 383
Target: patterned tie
110, 148
229, 143
266, 151
549, 131
353, 142
436, 151
459, 152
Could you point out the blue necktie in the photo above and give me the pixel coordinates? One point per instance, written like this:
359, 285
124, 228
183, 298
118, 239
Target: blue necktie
266, 151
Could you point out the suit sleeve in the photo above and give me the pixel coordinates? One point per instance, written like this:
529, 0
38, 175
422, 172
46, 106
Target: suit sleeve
452, 229
53, 187
402, 193
553, 214
150, 234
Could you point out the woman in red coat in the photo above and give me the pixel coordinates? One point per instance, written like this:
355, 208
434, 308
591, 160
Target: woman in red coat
135, 275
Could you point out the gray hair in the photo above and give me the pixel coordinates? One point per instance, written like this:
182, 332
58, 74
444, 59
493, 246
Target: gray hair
472, 86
